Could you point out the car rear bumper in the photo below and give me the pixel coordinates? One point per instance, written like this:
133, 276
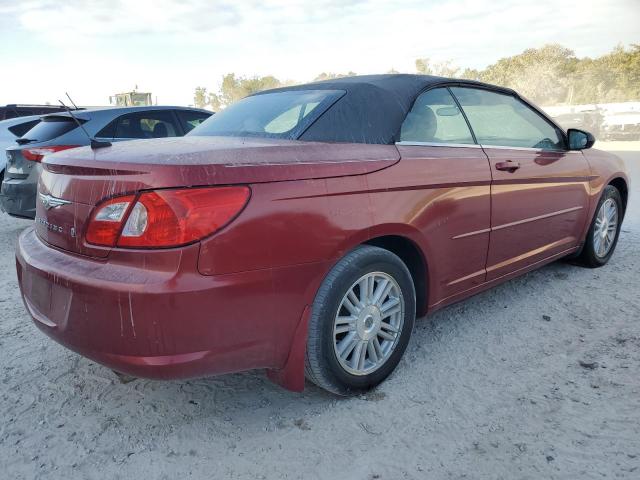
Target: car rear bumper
18, 197
160, 318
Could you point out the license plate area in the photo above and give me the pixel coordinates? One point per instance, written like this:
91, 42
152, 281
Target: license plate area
48, 302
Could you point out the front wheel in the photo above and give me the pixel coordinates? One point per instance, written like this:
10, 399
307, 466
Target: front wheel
361, 321
603, 233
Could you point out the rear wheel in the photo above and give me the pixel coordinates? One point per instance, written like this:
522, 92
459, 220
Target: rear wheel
602, 236
361, 321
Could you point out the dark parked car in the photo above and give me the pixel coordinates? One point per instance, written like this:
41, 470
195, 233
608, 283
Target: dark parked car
16, 110
10, 130
302, 229
60, 132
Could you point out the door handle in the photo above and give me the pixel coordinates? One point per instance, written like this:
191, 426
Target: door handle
509, 166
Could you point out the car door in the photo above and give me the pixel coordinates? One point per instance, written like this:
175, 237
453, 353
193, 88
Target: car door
449, 197
539, 190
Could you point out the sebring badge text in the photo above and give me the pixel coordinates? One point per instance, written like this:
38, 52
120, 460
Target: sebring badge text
49, 225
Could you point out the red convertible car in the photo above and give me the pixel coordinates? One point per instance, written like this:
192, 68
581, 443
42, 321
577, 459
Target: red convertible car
302, 230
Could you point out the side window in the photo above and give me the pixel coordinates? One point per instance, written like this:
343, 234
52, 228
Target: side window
152, 124
503, 120
190, 119
435, 118
109, 131
21, 128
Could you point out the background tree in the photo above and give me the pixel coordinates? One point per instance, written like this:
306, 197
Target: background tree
330, 76
234, 88
549, 75
446, 68
541, 74
614, 77
552, 75
200, 97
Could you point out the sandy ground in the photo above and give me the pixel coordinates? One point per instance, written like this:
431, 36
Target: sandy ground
489, 388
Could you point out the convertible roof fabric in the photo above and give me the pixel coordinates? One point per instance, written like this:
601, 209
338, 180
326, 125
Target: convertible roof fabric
373, 108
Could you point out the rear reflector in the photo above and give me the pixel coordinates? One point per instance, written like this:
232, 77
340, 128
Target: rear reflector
165, 218
36, 154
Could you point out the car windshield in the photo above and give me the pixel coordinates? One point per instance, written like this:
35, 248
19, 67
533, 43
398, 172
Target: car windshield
276, 115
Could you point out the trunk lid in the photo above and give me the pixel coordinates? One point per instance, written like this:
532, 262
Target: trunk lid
82, 177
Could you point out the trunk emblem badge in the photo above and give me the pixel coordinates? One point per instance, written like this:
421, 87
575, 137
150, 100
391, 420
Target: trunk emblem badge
52, 202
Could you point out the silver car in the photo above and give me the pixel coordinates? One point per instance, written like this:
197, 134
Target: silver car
10, 130
59, 131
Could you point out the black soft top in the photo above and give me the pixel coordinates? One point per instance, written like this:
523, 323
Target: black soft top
373, 108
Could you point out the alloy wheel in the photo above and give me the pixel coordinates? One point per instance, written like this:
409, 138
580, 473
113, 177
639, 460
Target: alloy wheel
368, 323
606, 226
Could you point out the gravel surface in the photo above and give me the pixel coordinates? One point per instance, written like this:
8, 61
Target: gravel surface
537, 378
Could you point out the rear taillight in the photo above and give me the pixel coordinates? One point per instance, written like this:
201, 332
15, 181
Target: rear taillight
106, 221
165, 218
36, 154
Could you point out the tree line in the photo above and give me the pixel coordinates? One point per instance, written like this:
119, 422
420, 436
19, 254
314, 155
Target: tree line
550, 75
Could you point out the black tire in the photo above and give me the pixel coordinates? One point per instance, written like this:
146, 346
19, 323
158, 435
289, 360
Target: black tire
588, 257
322, 366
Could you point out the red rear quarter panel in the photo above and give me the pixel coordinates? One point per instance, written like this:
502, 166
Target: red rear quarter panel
319, 220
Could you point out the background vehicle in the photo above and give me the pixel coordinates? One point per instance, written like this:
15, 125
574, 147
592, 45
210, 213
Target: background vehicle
15, 110
589, 120
303, 229
131, 99
621, 126
60, 132
10, 130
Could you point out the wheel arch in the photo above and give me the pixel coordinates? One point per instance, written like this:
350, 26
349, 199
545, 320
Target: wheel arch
398, 240
413, 257
621, 184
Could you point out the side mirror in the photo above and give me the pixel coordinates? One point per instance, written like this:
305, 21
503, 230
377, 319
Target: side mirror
579, 139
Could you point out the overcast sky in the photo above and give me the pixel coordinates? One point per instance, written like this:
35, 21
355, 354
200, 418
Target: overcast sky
95, 48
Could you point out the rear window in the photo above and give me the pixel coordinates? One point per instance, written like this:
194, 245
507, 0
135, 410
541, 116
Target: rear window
277, 115
20, 129
50, 128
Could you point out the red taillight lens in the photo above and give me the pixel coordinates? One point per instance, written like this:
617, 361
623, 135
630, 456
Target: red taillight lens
165, 218
36, 154
106, 221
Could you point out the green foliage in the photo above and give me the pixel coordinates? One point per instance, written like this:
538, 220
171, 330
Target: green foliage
200, 97
614, 77
331, 76
425, 66
541, 74
553, 74
234, 88
548, 75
